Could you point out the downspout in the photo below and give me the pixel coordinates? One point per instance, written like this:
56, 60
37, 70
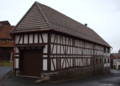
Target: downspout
14, 51
94, 59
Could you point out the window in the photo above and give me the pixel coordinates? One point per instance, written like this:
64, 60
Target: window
108, 60
104, 49
100, 60
105, 60
108, 50
96, 61
0, 24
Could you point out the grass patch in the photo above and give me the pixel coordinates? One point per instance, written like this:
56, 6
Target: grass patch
6, 63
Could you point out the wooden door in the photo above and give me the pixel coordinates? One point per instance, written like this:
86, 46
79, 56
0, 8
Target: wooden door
31, 63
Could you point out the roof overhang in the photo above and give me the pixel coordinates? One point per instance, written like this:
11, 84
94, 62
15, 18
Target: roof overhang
42, 45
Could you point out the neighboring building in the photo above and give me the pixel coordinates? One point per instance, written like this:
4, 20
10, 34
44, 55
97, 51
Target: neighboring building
47, 41
115, 60
4, 23
6, 41
113, 57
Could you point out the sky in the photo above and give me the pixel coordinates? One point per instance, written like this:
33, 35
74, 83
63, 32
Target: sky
103, 16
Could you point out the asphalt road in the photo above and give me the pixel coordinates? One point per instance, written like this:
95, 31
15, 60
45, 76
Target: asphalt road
105, 80
4, 70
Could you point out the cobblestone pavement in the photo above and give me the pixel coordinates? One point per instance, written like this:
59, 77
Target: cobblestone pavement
112, 79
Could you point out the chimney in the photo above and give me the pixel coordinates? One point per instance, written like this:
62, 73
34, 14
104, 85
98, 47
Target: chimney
86, 24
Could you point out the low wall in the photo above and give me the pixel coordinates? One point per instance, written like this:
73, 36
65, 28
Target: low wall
82, 72
107, 70
72, 73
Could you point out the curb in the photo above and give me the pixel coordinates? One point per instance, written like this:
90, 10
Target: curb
5, 77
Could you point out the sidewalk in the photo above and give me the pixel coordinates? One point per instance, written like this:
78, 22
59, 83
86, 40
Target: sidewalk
5, 71
115, 71
112, 79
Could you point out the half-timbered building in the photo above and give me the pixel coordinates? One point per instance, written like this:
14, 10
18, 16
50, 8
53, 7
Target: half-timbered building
115, 60
47, 41
6, 41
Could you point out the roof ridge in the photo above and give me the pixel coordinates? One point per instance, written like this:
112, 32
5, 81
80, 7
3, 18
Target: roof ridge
72, 21
61, 13
37, 3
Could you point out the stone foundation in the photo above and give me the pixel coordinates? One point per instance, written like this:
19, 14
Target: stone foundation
107, 70
74, 73
80, 72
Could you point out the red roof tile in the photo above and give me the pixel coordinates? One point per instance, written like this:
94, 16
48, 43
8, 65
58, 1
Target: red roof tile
4, 23
5, 31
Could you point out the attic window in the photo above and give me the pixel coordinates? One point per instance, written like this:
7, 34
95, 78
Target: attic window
108, 60
105, 60
104, 49
108, 50
96, 61
100, 60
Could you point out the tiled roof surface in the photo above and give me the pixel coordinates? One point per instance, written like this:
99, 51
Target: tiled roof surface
4, 23
118, 54
33, 20
60, 22
115, 54
5, 31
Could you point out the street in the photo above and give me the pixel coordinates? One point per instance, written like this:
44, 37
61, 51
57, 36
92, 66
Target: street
112, 79
4, 70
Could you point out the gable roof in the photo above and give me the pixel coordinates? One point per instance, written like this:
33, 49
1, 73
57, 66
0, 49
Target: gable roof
118, 56
41, 17
114, 54
4, 23
5, 31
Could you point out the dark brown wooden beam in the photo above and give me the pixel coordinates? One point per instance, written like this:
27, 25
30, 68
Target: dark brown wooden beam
49, 51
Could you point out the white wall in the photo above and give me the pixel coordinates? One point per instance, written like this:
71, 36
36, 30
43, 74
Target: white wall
117, 64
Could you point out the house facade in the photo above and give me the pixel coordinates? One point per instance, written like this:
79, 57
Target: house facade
115, 60
47, 42
6, 41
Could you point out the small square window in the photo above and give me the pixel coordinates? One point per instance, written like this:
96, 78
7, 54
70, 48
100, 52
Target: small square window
96, 61
100, 60
105, 60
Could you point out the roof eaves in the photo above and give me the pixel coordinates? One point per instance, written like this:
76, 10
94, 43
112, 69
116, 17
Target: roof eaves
79, 37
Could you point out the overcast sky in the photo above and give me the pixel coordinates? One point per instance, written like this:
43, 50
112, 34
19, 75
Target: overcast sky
103, 16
